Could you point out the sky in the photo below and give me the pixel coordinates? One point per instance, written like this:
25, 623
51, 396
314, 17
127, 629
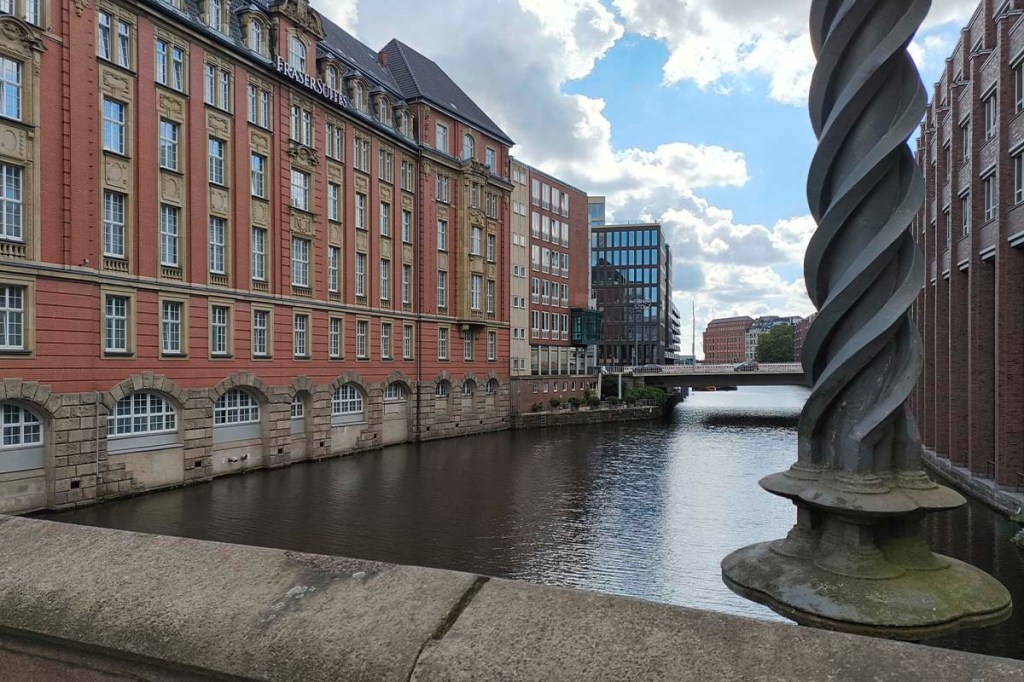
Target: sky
692, 113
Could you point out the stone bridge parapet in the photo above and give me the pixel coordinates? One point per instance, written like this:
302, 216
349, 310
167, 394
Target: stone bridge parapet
86, 603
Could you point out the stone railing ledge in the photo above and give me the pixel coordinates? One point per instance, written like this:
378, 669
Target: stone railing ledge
99, 603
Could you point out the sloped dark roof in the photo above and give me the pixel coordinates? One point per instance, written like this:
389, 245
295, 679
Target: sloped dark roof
357, 54
420, 78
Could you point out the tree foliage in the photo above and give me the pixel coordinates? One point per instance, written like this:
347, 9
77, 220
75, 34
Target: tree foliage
776, 345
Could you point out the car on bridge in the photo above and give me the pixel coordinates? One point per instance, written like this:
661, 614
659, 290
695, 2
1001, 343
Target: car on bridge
748, 366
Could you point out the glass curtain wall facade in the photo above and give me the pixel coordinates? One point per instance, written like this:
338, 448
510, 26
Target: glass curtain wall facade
631, 272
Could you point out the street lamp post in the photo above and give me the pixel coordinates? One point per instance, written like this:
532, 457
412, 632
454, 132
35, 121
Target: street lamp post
857, 559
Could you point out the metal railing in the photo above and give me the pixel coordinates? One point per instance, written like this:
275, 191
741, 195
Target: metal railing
764, 368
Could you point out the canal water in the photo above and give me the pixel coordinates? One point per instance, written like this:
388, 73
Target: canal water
643, 509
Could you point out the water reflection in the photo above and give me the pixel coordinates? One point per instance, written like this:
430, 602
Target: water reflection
645, 510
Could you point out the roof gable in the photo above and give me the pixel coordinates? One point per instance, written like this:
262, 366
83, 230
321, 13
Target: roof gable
420, 78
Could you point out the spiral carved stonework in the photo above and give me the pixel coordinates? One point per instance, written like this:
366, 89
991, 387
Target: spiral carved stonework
857, 559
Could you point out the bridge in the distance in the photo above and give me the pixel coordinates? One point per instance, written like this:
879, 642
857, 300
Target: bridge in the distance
690, 376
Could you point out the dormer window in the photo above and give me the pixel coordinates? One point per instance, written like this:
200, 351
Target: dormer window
257, 36
297, 54
215, 14
358, 96
403, 123
331, 77
468, 147
383, 111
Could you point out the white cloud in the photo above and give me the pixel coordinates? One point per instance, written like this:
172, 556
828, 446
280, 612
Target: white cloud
514, 57
713, 42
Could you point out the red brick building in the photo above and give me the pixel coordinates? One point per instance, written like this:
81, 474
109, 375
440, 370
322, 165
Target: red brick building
233, 236
559, 278
970, 399
725, 340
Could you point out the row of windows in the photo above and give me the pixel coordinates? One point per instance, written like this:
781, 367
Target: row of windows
549, 325
990, 200
145, 413
545, 292
601, 239
549, 198
546, 260
476, 292
118, 334
468, 345
549, 230
114, 44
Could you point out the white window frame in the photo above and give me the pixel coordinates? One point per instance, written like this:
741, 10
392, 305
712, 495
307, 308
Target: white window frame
300, 262
300, 335
170, 231
362, 339
218, 235
220, 323
13, 332
141, 413
236, 407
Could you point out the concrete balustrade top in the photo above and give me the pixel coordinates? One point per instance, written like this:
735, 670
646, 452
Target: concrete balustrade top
102, 603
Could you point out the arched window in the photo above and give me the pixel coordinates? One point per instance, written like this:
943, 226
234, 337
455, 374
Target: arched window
331, 76
383, 111
21, 427
403, 123
236, 407
394, 392
348, 400
142, 413
468, 147
297, 54
442, 390
468, 387
492, 387
21, 439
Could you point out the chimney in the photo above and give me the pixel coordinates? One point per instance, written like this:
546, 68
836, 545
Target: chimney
382, 58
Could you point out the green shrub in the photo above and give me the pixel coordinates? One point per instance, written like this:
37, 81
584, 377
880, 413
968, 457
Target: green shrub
594, 401
614, 402
555, 403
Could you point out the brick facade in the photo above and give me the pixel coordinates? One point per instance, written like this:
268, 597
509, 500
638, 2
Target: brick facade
725, 340
96, 291
970, 400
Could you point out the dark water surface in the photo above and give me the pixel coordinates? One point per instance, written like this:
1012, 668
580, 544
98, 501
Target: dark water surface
644, 510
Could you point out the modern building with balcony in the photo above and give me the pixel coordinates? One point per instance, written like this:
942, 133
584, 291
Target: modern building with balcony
631, 274
233, 237
969, 402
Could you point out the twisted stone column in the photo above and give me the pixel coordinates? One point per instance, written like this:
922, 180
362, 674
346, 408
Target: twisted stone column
856, 560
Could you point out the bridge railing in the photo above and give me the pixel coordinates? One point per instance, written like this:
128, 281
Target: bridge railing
765, 368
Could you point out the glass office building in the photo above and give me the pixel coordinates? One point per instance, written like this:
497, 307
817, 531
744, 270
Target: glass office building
631, 274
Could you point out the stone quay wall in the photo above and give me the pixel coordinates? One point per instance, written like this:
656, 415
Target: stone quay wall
176, 608
1005, 501
79, 461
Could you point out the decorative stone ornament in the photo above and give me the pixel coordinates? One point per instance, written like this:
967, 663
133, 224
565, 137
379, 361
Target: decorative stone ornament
857, 559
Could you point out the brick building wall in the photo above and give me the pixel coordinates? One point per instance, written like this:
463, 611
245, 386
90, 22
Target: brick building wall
69, 378
725, 340
970, 400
